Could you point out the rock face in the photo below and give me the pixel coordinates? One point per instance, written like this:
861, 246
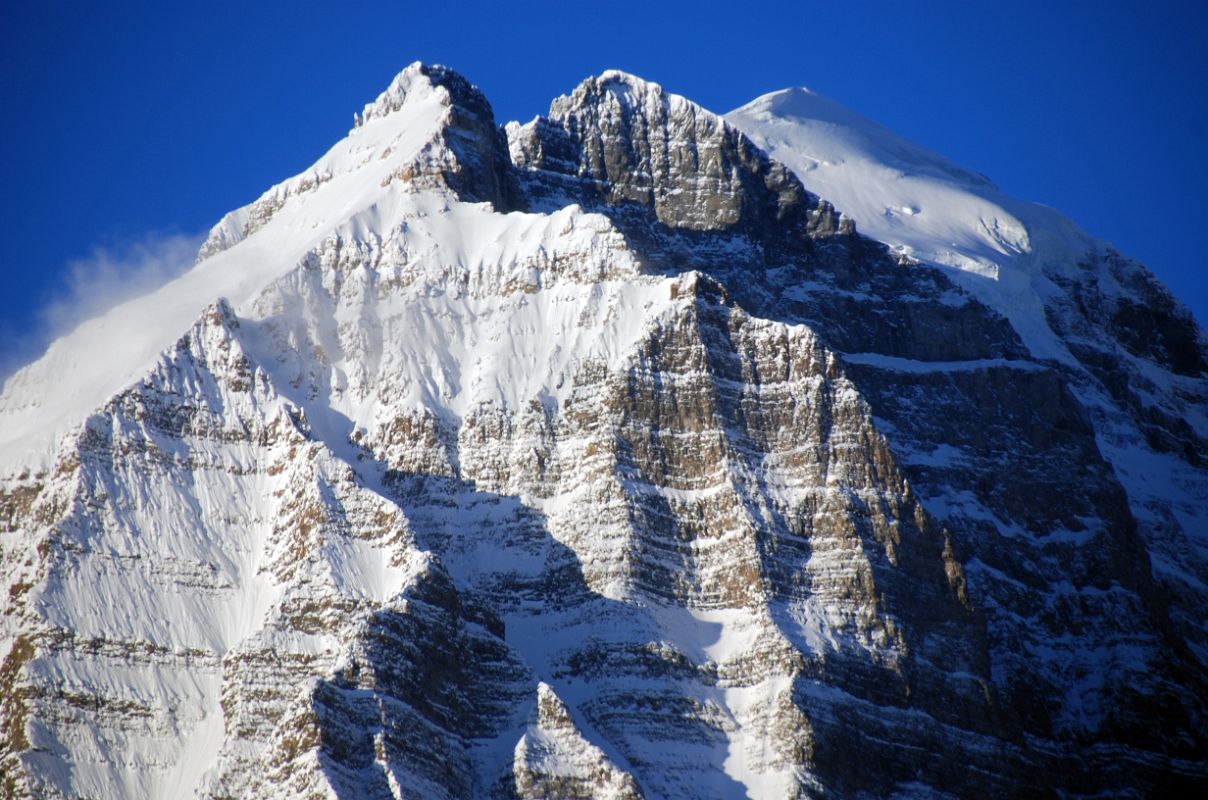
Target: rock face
597, 457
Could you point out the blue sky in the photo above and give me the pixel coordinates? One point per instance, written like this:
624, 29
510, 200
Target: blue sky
129, 127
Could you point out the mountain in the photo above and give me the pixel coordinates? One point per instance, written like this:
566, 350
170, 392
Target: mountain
630, 452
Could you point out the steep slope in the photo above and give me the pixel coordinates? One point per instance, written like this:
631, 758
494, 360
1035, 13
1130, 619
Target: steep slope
1001, 445
596, 457
1133, 353
412, 137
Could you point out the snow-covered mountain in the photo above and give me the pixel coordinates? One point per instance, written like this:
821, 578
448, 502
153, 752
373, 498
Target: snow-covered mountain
630, 452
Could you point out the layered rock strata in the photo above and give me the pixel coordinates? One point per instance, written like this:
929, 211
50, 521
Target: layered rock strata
597, 457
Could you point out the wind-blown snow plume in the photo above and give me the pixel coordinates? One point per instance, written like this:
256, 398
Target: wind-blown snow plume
107, 276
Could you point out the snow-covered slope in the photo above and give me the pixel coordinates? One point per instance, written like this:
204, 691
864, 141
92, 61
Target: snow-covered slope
597, 457
346, 191
922, 205
1070, 298
898, 192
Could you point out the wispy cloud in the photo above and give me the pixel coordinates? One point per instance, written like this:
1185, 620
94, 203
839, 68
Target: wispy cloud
91, 286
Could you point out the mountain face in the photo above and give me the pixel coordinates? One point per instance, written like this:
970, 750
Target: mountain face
606, 456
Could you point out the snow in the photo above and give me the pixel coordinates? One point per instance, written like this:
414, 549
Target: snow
996, 247
484, 334
105, 354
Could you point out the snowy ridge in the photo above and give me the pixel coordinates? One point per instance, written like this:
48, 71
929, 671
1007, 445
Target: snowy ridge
997, 248
105, 354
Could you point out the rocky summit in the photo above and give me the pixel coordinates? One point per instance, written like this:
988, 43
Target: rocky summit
632, 452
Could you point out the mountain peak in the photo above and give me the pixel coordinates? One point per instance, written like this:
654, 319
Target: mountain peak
622, 140
416, 80
625, 89
614, 79
395, 95
801, 102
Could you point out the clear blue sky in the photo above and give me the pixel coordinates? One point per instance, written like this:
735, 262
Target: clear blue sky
124, 120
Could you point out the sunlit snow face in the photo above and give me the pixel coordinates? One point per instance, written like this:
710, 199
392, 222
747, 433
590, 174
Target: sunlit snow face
921, 205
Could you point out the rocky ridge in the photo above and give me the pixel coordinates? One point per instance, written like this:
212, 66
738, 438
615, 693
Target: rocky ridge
597, 457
